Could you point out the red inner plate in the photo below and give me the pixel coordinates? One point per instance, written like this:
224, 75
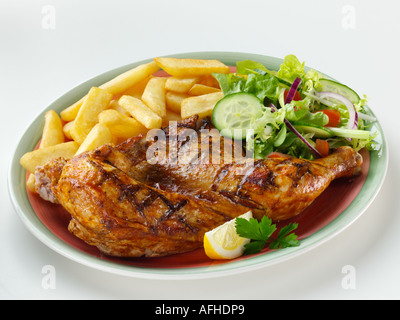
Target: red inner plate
330, 204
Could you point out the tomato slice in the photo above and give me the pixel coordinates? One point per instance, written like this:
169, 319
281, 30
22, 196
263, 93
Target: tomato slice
322, 147
333, 115
276, 155
297, 96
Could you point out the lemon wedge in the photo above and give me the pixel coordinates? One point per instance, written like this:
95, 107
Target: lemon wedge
223, 242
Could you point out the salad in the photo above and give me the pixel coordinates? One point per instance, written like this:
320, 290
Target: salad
291, 111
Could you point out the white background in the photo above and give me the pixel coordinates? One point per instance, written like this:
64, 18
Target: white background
37, 65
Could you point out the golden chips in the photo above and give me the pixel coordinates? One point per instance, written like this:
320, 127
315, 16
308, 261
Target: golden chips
191, 67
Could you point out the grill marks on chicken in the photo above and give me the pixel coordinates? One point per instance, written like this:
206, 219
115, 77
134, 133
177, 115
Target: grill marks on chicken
125, 217
128, 206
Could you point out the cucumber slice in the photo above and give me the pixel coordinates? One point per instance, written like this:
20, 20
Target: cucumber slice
350, 133
234, 114
319, 132
336, 87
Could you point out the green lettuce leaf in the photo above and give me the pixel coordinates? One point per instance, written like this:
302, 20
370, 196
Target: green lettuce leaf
262, 86
293, 113
249, 66
292, 68
229, 83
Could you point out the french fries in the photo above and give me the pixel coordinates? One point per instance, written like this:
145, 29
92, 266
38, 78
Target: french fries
200, 89
174, 101
114, 104
53, 130
154, 95
127, 106
190, 67
209, 80
129, 78
182, 85
98, 136
71, 112
52, 135
96, 101
141, 112
202, 105
137, 89
67, 129
121, 126
171, 116
39, 157
115, 86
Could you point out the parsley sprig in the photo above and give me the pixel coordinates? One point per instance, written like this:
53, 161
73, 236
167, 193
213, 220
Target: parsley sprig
260, 232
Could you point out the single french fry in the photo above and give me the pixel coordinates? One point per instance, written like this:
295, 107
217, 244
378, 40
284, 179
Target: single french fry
201, 105
67, 129
32, 159
98, 136
154, 95
120, 125
174, 100
115, 86
170, 116
181, 85
142, 113
200, 89
96, 101
190, 67
52, 131
129, 78
52, 135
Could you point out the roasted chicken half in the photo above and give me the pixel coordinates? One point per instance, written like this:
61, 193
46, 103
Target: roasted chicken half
140, 199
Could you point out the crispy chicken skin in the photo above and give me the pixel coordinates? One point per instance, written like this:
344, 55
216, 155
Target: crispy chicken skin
125, 217
130, 207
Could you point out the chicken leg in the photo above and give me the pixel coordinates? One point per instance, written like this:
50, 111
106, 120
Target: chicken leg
128, 206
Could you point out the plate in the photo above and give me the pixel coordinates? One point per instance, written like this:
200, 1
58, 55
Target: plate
337, 208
